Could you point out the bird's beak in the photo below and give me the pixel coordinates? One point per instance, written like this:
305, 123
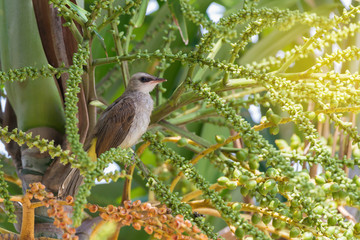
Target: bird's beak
159, 80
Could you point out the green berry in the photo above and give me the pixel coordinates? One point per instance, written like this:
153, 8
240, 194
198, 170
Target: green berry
311, 115
242, 154
275, 119
294, 232
307, 236
289, 187
223, 181
274, 203
328, 175
219, 139
319, 180
297, 215
318, 210
335, 187
244, 191
295, 141
331, 221
236, 206
250, 184
160, 136
272, 172
269, 113
357, 228
356, 153
263, 190
276, 223
274, 130
330, 231
256, 218
239, 233
236, 173
243, 179
270, 184
321, 117
356, 179
231, 185
182, 142
266, 219
254, 165
281, 143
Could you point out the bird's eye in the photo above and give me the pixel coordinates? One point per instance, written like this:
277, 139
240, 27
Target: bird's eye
144, 79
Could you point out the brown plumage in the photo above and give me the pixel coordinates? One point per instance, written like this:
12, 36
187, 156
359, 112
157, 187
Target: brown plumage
113, 125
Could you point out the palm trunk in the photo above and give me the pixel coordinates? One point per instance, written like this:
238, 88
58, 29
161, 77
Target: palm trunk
37, 105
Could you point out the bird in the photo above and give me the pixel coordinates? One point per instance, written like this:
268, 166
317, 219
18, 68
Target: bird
127, 118
121, 124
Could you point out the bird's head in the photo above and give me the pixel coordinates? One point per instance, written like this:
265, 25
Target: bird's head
143, 82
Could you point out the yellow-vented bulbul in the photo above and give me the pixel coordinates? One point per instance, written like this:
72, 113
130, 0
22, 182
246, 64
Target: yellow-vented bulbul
121, 124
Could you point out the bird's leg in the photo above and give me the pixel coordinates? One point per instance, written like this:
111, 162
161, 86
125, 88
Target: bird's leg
127, 184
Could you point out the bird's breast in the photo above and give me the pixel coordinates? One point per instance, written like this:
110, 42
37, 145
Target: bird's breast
143, 109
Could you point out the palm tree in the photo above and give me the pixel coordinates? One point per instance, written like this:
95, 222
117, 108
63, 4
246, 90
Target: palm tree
62, 63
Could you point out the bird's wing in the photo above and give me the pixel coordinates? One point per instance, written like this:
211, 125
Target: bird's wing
114, 124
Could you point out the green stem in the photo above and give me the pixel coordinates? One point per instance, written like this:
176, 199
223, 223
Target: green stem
189, 97
75, 31
119, 49
199, 140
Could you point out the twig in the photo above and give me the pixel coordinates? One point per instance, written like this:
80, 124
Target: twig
28, 221
346, 214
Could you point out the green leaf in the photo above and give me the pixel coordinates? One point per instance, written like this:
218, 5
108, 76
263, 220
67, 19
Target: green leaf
140, 15
98, 104
101, 39
37, 102
175, 9
185, 133
272, 43
80, 11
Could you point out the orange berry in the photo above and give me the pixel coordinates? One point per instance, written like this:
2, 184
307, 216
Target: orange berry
51, 212
104, 216
38, 196
56, 222
49, 195
145, 206
66, 236
111, 209
137, 203
163, 218
129, 218
34, 187
69, 199
127, 204
157, 235
148, 229
72, 231
137, 226
116, 217
203, 236
62, 225
188, 223
162, 210
126, 223
196, 229
152, 212
123, 211
93, 208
